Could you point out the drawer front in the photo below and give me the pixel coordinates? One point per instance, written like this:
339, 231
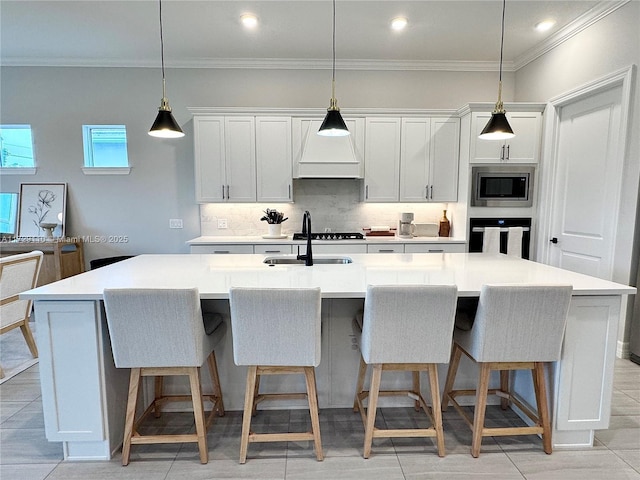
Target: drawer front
336, 249
273, 249
382, 248
435, 248
222, 248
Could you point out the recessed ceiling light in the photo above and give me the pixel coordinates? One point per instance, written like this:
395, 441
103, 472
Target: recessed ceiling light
545, 25
249, 20
398, 23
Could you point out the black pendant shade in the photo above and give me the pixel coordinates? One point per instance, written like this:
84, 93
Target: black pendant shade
165, 126
497, 128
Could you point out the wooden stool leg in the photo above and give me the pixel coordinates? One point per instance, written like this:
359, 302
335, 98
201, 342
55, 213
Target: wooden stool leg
158, 387
132, 399
362, 370
31, 342
416, 389
540, 386
215, 381
371, 408
451, 375
435, 408
310, 377
1, 373
256, 392
198, 413
248, 409
504, 386
480, 408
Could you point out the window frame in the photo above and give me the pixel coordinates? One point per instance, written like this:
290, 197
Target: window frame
87, 146
20, 170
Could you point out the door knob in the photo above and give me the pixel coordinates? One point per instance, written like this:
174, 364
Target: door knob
554, 240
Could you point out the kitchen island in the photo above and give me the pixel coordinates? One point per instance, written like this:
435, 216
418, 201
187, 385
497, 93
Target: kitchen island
84, 395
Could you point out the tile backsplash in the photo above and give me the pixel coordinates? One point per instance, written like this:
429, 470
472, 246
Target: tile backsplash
333, 203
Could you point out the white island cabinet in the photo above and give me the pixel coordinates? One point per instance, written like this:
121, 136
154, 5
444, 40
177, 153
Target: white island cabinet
84, 395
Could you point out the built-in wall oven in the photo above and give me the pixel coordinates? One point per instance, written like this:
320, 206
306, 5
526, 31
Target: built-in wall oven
502, 186
477, 230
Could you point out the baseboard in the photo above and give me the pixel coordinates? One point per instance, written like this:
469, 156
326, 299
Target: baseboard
622, 349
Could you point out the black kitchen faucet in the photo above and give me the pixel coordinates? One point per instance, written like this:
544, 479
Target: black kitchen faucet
306, 230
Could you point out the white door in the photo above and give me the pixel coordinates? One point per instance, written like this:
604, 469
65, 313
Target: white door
587, 184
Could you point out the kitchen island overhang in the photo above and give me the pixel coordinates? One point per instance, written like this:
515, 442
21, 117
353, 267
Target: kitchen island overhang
83, 393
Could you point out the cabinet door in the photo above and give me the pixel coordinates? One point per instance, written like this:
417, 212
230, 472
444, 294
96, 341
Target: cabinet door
444, 153
435, 248
382, 159
483, 151
384, 248
222, 248
273, 159
525, 146
208, 135
414, 159
240, 159
273, 249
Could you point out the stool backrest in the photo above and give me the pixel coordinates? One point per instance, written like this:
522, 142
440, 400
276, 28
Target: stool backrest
18, 273
275, 326
156, 327
408, 323
520, 323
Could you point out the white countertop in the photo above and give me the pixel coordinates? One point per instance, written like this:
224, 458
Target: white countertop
213, 275
217, 240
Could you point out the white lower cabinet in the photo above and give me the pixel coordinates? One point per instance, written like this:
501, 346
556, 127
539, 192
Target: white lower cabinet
435, 248
340, 249
222, 248
273, 249
384, 248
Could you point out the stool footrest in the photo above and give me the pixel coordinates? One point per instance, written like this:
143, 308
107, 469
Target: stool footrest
280, 437
152, 439
403, 432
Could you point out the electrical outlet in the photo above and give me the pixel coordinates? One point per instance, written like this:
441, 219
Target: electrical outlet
222, 223
175, 223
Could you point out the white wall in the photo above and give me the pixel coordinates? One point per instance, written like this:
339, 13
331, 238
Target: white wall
58, 101
607, 46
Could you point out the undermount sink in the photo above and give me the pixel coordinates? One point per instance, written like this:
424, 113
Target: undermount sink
316, 260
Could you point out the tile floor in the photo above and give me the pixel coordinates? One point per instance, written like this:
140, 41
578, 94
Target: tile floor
25, 454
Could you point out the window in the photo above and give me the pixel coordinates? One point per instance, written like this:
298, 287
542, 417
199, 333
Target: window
8, 212
16, 149
105, 149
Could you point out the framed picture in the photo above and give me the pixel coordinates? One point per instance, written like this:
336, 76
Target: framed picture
42, 210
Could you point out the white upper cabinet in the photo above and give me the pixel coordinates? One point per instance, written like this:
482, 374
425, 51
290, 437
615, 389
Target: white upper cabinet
225, 159
382, 159
429, 154
316, 156
273, 159
523, 148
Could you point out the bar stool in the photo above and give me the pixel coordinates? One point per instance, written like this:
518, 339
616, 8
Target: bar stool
405, 328
516, 327
161, 332
276, 331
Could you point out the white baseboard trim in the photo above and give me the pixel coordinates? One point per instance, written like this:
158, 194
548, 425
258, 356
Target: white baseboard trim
622, 349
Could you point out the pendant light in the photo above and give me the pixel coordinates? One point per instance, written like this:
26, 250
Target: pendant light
498, 128
333, 124
165, 125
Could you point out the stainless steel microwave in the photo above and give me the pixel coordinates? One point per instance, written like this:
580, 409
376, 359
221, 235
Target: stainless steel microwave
502, 186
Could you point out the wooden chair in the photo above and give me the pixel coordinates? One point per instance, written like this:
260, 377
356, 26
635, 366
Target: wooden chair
161, 332
405, 328
516, 327
276, 331
18, 273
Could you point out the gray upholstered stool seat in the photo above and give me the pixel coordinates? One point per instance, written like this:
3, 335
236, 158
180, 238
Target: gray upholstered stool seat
159, 332
404, 328
516, 327
276, 331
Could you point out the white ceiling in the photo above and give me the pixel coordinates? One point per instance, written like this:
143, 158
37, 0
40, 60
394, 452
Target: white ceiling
291, 34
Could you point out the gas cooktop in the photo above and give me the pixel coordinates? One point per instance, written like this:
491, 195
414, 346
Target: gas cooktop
330, 236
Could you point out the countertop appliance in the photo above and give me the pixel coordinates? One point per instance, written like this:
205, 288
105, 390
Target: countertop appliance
502, 186
477, 226
330, 236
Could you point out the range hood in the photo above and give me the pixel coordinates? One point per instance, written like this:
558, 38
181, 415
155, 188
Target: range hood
328, 157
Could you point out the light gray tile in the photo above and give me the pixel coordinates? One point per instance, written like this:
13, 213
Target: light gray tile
19, 392
28, 446
26, 471
631, 457
345, 468
622, 404
456, 466
8, 409
595, 464
623, 433
30, 416
262, 469
142, 470
632, 393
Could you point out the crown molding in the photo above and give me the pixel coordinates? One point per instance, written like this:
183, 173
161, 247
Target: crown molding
581, 23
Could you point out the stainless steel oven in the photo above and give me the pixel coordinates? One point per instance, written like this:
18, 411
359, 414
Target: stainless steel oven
502, 186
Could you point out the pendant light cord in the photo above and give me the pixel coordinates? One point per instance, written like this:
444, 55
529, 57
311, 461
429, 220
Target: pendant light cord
333, 65
504, 5
162, 50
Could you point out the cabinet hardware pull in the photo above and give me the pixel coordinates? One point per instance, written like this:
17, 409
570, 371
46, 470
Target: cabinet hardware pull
508, 151
223, 192
221, 251
366, 191
228, 195
388, 250
289, 191
502, 154
272, 251
426, 192
431, 195
436, 251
